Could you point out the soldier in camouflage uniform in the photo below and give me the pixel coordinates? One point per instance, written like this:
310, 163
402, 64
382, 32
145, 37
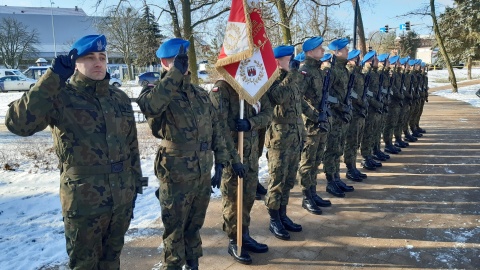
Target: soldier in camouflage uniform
227, 102
283, 140
405, 106
375, 108
395, 104
423, 97
95, 140
418, 89
341, 116
384, 71
409, 104
314, 146
355, 130
182, 115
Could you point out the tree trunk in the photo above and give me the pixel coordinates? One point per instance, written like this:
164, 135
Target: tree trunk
443, 51
285, 26
188, 34
469, 68
175, 24
360, 30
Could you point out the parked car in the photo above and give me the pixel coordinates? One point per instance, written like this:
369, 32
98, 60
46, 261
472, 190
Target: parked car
9, 72
148, 77
115, 82
35, 72
16, 83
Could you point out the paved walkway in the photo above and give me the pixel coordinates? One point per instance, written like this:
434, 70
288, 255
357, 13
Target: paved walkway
419, 211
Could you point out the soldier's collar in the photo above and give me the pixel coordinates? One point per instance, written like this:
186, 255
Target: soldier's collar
312, 62
82, 82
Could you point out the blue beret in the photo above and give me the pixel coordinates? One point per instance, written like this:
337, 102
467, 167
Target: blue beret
352, 54
312, 43
382, 57
171, 47
423, 64
394, 59
89, 44
338, 44
283, 50
412, 62
300, 57
404, 60
368, 56
326, 57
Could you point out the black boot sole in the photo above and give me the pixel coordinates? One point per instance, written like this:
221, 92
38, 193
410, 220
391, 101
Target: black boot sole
246, 262
280, 236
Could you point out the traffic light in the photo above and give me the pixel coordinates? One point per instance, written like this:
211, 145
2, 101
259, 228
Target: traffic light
386, 28
407, 26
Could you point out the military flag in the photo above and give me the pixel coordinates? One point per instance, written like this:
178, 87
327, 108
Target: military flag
246, 60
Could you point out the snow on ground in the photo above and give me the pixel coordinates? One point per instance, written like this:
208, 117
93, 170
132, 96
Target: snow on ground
30, 214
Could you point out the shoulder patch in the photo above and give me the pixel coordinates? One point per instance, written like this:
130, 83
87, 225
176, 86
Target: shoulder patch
215, 89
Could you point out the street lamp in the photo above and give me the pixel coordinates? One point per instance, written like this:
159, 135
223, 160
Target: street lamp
53, 28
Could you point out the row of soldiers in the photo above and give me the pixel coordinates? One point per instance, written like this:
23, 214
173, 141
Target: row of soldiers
309, 115
322, 106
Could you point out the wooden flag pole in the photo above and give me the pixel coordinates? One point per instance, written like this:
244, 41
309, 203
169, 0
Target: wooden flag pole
240, 187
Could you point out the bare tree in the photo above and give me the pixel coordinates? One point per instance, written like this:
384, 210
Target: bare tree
16, 42
443, 51
194, 15
119, 27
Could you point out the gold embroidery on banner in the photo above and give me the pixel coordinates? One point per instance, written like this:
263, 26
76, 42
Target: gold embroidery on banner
248, 71
232, 37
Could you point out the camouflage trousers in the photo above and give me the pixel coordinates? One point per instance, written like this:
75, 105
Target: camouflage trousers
397, 131
412, 121
378, 132
353, 138
405, 117
229, 189
335, 145
371, 125
282, 166
310, 159
184, 205
390, 123
420, 112
96, 241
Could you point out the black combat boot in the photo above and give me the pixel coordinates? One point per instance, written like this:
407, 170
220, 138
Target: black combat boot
287, 222
389, 148
243, 257
421, 130
309, 204
344, 187
352, 174
417, 134
276, 226
409, 137
317, 199
261, 190
381, 154
386, 156
191, 264
376, 163
333, 188
400, 143
378, 156
367, 163
250, 244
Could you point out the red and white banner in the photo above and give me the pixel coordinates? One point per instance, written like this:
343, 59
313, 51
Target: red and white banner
246, 60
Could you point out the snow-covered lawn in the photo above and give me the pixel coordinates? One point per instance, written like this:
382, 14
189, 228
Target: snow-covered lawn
31, 234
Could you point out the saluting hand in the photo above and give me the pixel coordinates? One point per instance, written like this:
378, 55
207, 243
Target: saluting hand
293, 64
64, 65
181, 60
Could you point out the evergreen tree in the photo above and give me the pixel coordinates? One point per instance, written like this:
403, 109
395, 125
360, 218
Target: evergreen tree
147, 39
409, 44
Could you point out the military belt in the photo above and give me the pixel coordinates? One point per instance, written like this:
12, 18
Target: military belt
190, 146
116, 167
287, 121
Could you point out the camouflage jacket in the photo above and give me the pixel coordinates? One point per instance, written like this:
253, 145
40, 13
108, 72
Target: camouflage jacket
287, 125
339, 81
409, 85
397, 88
313, 93
374, 104
186, 121
93, 130
226, 100
359, 85
424, 92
